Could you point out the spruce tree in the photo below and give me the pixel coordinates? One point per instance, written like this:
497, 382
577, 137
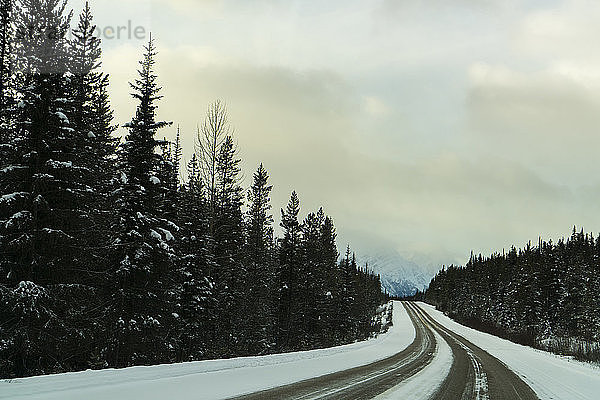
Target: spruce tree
228, 242
142, 304
288, 275
6, 53
38, 209
328, 261
259, 307
543, 295
198, 312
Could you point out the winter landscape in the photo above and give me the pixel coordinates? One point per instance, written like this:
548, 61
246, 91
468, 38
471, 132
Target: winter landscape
240, 199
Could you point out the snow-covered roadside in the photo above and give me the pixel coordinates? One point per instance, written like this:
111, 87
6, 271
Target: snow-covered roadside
550, 376
424, 383
212, 379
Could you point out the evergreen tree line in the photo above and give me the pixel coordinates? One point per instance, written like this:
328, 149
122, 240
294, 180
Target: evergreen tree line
109, 259
546, 296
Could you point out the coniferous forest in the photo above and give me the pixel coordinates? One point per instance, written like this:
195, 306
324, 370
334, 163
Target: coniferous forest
547, 296
110, 257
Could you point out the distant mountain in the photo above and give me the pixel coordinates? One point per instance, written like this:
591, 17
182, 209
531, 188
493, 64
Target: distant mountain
399, 276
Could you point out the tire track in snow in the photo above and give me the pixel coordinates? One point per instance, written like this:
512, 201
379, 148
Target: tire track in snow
481, 391
424, 384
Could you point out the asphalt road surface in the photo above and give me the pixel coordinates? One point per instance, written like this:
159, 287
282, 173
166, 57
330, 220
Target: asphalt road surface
474, 374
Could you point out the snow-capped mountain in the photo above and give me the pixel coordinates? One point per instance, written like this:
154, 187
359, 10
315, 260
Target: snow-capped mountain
399, 276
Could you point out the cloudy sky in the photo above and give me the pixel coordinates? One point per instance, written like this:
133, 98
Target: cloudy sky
434, 128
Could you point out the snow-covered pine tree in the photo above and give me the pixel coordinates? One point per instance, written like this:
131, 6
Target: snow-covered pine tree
544, 296
314, 296
344, 326
142, 298
94, 147
92, 116
260, 282
38, 210
198, 312
7, 103
171, 153
6, 36
328, 261
228, 242
290, 258
594, 301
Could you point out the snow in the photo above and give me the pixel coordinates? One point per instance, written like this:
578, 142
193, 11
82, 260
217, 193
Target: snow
424, 383
12, 168
59, 164
28, 294
18, 217
550, 376
212, 379
12, 197
154, 180
155, 235
56, 232
173, 226
62, 116
91, 135
168, 235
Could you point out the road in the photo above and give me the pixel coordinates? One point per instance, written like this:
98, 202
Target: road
474, 374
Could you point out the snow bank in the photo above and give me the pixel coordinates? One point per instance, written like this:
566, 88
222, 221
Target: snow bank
212, 379
549, 375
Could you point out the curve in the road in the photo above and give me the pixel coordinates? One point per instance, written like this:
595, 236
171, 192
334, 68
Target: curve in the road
363, 382
475, 374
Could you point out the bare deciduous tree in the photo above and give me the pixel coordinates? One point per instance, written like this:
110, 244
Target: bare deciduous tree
211, 136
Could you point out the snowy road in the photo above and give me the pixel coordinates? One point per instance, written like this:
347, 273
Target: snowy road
472, 374
424, 356
367, 381
552, 377
212, 379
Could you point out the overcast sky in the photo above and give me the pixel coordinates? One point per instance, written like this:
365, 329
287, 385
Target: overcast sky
434, 128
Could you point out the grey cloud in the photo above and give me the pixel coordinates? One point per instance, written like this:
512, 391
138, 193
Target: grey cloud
545, 120
437, 168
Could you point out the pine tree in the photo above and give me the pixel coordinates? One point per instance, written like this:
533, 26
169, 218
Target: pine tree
169, 175
312, 295
345, 323
259, 307
228, 242
38, 209
50, 243
198, 315
288, 275
142, 302
6, 36
543, 296
328, 261
92, 147
7, 95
